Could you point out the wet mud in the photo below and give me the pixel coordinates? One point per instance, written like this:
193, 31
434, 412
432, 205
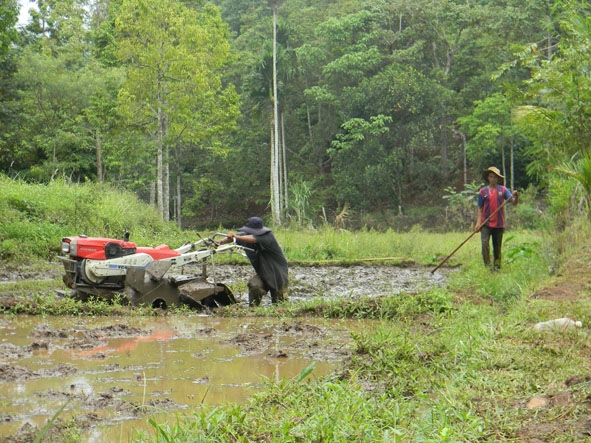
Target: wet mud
107, 372
116, 370
307, 282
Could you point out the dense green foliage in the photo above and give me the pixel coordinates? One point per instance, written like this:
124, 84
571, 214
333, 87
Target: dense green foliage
381, 103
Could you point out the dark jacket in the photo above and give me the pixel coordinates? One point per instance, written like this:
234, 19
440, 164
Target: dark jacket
268, 260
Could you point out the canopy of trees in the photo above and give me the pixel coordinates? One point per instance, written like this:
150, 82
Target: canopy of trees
362, 106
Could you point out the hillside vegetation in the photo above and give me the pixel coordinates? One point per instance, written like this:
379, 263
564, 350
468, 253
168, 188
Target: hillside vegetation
34, 218
312, 111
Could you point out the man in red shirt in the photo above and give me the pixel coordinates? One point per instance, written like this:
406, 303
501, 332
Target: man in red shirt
490, 198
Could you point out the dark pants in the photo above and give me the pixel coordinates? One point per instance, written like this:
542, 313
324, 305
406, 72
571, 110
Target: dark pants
257, 288
497, 239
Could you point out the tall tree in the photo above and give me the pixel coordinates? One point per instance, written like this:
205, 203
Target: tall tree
276, 157
491, 134
173, 89
9, 113
57, 77
8, 19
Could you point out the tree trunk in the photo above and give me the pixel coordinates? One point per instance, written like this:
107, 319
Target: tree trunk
443, 153
166, 184
309, 122
152, 189
160, 160
273, 171
464, 155
275, 163
163, 157
512, 166
449, 54
503, 168
179, 201
99, 159
285, 205
159, 177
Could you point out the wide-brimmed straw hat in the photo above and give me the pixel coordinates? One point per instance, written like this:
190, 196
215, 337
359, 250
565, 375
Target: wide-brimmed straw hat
254, 226
494, 171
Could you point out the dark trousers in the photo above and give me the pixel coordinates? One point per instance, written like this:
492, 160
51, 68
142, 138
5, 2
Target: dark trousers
257, 288
497, 240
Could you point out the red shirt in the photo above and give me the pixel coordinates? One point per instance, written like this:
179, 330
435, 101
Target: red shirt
489, 200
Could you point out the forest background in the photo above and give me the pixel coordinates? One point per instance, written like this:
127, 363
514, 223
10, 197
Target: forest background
350, 112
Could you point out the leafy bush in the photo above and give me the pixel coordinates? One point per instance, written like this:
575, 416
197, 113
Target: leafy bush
461, 209
529, 213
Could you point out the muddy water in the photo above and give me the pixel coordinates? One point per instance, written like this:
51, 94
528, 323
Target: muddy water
113, 373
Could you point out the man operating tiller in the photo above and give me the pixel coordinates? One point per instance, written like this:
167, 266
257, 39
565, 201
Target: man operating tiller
267, 259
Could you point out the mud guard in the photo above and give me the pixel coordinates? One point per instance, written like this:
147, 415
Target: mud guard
203, 294
157, 269
142, 288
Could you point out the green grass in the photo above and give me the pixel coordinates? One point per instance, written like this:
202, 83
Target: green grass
449, 365
338, 245
455, 364
34, 218
46, 302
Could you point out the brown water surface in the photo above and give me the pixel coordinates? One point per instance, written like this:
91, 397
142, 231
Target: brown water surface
115, 373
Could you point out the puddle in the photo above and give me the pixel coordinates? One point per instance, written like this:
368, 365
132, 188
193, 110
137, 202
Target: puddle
115, 372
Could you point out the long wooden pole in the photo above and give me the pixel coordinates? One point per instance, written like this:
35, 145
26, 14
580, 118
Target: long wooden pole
472, 234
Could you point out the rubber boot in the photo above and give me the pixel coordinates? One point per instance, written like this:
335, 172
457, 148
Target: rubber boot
279, 295
256, 291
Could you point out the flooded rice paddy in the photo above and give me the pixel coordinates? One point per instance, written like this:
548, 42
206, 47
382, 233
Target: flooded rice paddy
114, 372
111, 374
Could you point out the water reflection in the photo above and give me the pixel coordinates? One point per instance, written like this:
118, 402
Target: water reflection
112, 371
